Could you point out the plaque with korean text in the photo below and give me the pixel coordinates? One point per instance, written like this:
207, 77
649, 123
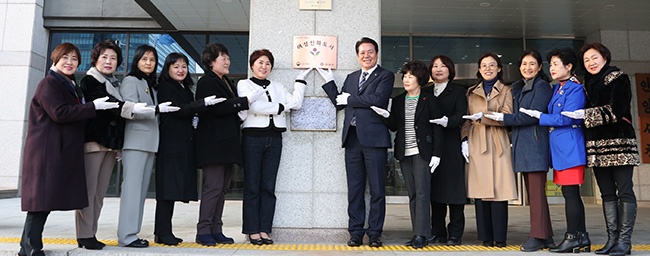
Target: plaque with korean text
315, 51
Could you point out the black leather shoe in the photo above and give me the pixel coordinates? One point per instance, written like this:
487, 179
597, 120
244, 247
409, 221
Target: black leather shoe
89, 243
488, 243
410, 242
166, 240
254, 241
139, 243
437, 239
453, 241
419, 242
205, 240
375, 241
532, 244
500, 244
355, 240
222, 239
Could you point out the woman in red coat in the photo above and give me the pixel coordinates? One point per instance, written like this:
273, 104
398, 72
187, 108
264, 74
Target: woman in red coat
53, 176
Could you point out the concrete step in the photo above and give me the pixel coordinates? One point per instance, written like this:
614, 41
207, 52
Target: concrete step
8, 193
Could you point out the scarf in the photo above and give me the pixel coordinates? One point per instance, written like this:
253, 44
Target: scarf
111, 82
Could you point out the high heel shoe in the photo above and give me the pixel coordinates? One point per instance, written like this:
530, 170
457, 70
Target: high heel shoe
257, 241
89, 243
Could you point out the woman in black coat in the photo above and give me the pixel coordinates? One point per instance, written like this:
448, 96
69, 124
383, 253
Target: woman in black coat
218, 142
611, 144
175, 164
448, 182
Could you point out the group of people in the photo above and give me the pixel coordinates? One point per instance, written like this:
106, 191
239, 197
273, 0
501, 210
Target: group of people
439, 126
77, 132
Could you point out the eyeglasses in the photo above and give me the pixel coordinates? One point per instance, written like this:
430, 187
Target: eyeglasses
489, 65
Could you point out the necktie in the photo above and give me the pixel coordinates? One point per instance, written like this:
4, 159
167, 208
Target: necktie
353, 121
363, 79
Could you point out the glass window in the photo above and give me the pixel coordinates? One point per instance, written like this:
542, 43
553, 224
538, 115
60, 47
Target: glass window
466, 50
394, 52
237, 45
86, 42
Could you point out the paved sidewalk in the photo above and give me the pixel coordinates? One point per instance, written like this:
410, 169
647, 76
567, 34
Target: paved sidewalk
59, 233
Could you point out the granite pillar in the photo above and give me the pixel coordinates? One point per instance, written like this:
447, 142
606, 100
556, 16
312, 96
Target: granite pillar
311, 186
23, 53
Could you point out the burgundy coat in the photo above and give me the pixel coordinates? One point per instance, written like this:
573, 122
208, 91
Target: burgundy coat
53, 159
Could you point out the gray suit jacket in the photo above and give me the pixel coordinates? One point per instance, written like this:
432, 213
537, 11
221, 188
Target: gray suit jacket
141, 132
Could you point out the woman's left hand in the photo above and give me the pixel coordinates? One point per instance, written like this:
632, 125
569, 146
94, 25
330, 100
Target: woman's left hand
435, 161
578, 114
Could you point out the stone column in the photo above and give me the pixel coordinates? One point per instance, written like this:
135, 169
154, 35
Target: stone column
23, 53
311, 186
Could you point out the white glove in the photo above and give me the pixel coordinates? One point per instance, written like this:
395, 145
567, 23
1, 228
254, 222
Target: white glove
464, 148
443, 121
303, 74
474, 117
531, 112
342, 99
211, 100
102, 104
166, 108
435, 161
255, 95
327, 76
496, 116
380, 111
141, 108
578, 114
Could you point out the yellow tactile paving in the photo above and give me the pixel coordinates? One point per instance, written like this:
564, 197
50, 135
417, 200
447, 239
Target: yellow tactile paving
315, 247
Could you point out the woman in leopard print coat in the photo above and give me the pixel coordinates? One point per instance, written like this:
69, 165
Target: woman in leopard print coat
611, 144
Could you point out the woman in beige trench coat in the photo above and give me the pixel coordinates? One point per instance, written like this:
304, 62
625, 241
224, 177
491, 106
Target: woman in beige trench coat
490, 179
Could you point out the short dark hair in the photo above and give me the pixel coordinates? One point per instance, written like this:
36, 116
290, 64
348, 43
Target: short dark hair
448, 63
366, 40
538, 58
418, 69
63, 49
566, 55
169, 61
603, 50
211, 52
137, 55
259, 53
498, 60
101, 47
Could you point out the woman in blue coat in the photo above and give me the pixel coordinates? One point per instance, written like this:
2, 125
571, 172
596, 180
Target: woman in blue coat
530, 152
567, 143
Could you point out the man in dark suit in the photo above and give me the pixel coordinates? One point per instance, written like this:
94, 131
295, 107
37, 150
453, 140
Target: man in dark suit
365, 139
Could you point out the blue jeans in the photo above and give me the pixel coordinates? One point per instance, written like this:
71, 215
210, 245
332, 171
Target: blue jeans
261, 163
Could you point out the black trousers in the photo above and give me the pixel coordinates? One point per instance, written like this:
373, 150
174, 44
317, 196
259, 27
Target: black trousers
365, 163
615, 183
164, 214
31, 242
456, 225
491, 220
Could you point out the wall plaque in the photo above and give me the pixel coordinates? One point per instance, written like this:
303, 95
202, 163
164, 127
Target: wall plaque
316, 114
315, 51
643, 99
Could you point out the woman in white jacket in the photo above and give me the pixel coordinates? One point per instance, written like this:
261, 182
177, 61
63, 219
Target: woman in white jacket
262, 142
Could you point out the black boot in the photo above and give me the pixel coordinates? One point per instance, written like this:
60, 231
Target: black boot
585, 242
627, 218
571, 243
610, 210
